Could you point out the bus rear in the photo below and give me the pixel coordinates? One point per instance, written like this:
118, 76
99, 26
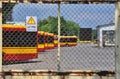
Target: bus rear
41, 41
68, 41
50, 41
55, 40
18, 44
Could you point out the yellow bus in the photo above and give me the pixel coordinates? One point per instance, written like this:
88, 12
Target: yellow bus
46, 37
50, 41
41, 41
68, 40
55, 40
18, 44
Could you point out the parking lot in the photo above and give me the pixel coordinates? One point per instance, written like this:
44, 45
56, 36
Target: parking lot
80, 57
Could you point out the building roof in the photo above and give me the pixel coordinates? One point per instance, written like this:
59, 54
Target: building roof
105, 25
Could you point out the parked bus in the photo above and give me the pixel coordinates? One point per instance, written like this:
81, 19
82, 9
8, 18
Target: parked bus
41, 41
68, 40
46, 37
50, 41
55, 40
18, 44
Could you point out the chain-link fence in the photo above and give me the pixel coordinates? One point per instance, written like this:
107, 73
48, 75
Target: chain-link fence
86, 55
87, 38
28, 50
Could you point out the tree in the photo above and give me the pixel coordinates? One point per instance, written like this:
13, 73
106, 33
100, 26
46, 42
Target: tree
46, 28
50, 24
7, 11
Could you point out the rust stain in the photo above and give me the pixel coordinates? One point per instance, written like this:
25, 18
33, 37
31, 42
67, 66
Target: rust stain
100, 77
0, 10
61, 75
65, 1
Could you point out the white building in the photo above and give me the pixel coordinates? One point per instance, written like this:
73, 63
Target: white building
106, 35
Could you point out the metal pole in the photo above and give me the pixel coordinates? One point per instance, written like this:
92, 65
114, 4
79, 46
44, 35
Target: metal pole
58, 56
117, 45
1, 36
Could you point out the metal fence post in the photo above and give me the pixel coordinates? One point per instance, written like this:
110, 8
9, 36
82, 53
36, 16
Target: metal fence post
1, 36
117, 46
58, 56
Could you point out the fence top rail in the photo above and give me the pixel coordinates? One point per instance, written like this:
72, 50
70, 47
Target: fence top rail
56, 73
63, 1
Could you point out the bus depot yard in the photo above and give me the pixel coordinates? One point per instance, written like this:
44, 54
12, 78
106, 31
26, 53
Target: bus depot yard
38, 51
79, 57
41, 45
59, 37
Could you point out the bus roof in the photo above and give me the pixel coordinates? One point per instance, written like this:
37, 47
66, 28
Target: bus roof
13, 26
51, 34
68, 36
41, 32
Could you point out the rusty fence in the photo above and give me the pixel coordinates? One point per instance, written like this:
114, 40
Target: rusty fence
58, 75
69, 37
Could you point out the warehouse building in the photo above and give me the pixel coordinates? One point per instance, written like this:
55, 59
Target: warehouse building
106, 35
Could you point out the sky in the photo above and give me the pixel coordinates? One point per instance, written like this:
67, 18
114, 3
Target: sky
86, 15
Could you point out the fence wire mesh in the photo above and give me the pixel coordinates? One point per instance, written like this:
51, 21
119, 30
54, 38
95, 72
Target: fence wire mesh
87, 37
90, 23
28, 50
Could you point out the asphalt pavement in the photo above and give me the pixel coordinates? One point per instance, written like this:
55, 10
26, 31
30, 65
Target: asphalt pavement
80, 57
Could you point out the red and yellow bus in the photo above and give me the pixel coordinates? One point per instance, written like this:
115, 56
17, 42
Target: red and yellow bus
46, 37
55, 40
41, 41
50, 41
18, 44
68, 40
